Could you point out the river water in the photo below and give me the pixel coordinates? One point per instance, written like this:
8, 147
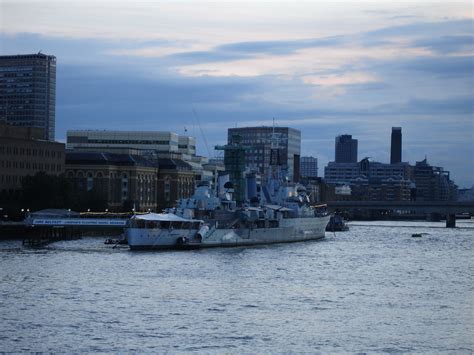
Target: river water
371, 289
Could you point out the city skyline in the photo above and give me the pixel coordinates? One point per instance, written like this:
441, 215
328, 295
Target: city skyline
209, 67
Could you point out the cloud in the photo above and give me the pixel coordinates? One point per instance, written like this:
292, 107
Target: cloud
449, 106
422, 29
281, 47
351, 78
448, 44
441, 66
363, 81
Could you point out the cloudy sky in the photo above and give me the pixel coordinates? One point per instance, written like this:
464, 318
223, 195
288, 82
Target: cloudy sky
324, 67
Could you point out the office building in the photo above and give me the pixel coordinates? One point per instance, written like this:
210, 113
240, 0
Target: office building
23, 151
28, 91
396, 146
120, 141
341, 173
433, 183
260, 154
361, 189
344, 173
308, 167
346, 149
187, 145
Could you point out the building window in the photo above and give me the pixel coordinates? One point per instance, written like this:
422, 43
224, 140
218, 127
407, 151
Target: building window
167, 189
124, 186
90, 182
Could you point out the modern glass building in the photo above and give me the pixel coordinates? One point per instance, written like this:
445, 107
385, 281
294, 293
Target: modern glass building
28, 91
259, 157
346, 149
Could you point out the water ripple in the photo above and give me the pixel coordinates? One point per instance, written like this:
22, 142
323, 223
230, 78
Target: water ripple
372, 289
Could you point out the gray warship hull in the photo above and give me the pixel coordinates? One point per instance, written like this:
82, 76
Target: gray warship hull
289, 231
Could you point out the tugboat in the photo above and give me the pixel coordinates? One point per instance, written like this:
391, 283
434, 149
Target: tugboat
117, 241
337, 224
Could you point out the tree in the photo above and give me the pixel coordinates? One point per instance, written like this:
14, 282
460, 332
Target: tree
49, 191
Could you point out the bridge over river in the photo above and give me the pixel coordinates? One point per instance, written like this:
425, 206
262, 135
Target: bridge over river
448, 208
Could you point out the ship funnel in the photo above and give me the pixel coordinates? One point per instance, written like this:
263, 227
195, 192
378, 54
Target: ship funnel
251, 186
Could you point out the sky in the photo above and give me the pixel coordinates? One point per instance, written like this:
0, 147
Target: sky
324, 67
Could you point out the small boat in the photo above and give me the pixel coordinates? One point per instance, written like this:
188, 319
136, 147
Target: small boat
164, 231
418, 235
336, 224
122, 239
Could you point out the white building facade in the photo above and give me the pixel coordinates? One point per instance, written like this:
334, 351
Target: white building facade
158, 142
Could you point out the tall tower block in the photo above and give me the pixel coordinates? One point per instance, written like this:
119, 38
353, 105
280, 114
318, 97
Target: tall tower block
396, 146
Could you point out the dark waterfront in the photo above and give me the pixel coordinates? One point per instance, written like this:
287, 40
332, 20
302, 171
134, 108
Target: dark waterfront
374, 288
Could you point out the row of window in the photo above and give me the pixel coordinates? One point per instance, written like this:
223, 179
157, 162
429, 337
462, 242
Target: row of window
31, 165
26, 115
15, 68
120, 141
7, 102
16, 85
16, 75
31, 152
10, 179
25, 91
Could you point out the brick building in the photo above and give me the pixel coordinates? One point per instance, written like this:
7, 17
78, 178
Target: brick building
23, 151
123, 181
176, 180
